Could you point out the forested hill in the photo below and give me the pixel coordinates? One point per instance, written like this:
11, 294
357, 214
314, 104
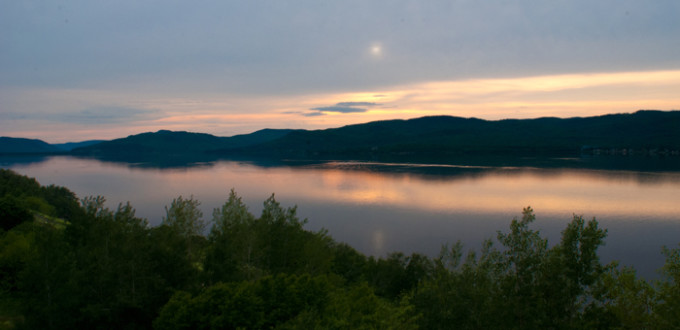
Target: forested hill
10, 145
643, 132
178, 143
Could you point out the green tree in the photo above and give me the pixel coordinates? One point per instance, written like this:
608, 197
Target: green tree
13, 212
17, 185
281, 237
357, 307
185, 217
266, 303
572, 271
221, 306
397, 274
525, 284
523, 256
46, 283
63, 201
463, 291
285, 302
667, 309
621, 300
170, 260
114, 268
233, 252
52, 200
242, 247
348, 262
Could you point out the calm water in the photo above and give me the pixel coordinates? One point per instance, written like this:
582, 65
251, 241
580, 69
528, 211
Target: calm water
379, 208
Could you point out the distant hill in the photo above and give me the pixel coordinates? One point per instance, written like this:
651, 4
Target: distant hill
422, 139
640, 132
177, 143
10, 145
162, 141
73, 145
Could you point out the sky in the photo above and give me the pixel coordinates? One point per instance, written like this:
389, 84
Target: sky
78, 70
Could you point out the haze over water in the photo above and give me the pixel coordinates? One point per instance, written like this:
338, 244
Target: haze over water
382, 208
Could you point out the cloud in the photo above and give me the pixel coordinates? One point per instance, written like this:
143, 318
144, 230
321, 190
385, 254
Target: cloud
357, 104
89, 116
13, 116
238, 46
313, 114
342, 107
339, 109
106, 115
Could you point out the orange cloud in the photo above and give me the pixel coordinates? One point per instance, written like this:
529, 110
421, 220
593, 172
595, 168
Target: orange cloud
555, 95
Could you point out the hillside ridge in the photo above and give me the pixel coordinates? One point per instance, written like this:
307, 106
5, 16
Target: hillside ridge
642, 132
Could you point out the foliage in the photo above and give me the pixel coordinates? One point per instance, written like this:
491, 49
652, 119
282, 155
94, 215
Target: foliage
440, 136
13, 212
283, 301
243, 247
184, 220
525, 284
622, 300
667, 309
88, 266
17, 185
185, 217
397, 274
51, 200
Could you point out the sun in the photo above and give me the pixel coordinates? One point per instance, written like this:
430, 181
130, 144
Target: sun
376, 50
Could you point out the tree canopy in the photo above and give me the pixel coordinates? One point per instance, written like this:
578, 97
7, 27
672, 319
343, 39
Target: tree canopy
70, 264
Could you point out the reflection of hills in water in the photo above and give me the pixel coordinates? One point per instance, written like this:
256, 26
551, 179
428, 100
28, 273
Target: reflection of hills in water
136, 161
158, 162
447, 172
425, 171
425, 165
651, 170
17, 160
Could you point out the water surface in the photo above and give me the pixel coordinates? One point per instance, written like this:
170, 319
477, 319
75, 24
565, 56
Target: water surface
384, 207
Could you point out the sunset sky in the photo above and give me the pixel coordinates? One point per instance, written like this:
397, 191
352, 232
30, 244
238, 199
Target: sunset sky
78, 70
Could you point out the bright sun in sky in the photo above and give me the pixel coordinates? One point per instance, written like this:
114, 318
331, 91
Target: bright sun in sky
376, 50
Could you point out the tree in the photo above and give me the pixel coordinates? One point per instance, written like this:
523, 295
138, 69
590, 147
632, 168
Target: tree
572, 272
17, 185
523, 256
285, 302
286, 246
46, 282
620, 300
114, 268
266, 303
242, 247
667, 309
525, 284
233, 250
463, 291
397, 274
185, 217
233, 213
357, 307
348, 262
13, 212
